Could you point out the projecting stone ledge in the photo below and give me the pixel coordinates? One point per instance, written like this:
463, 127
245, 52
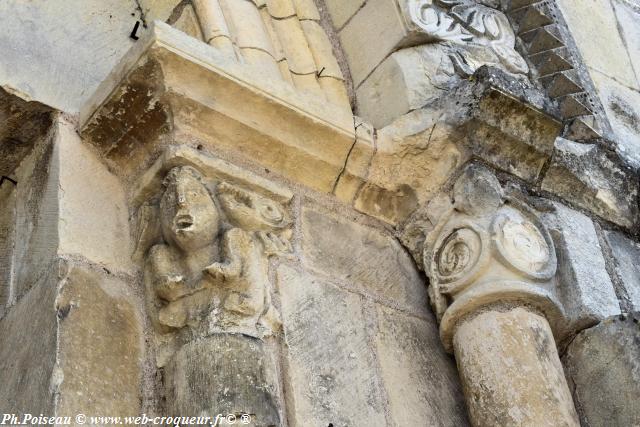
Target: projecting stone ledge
172, 89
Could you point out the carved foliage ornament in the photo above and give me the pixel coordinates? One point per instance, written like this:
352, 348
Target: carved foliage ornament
478, 34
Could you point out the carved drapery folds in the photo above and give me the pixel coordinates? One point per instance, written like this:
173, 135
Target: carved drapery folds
489, 248
475, 34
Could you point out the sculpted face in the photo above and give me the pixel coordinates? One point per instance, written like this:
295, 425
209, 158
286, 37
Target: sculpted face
190, 219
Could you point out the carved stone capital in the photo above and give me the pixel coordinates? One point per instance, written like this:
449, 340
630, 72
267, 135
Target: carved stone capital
488, 249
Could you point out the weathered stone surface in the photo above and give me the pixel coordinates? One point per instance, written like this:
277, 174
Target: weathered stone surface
211, 108
22, 124
223, 374
606, 53
414, 157
330, 374
96, 31
375, 263
628, 14
100, 344
603, 368
420, 379
7, 239
93, 217
342, 10
36, 226
626, 255
373, 33
511, 372
622, 107
585, 289
28, 351
588, 176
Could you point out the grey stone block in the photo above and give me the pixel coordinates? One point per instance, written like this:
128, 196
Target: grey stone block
584, 289
626, 255
603, 368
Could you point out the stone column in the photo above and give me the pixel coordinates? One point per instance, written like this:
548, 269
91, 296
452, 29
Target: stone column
492, 267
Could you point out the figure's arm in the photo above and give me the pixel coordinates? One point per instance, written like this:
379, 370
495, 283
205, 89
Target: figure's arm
234, 244
168, 283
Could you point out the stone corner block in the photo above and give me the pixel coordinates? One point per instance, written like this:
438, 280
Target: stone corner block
584, 287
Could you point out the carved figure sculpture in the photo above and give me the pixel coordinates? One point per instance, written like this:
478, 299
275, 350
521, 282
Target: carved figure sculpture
475, 34
209, 275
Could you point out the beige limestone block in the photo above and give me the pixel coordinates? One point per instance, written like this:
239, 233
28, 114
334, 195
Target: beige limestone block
295, 45
280, 9
342, 10
261, 61
403, 82
214, 26
367, 259
185, 91
330, 374
628, 17
306, 9
188, 23
99, 344
373, 33
420, 379
273, 35
158, 9
622, 107
223, 373
307, 83
593, 26
28, 351
336, 92
93, 214
357, 164
247, 26
321, 50
414, 157
511, 372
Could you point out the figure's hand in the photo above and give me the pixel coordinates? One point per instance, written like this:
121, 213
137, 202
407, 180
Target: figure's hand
220, 272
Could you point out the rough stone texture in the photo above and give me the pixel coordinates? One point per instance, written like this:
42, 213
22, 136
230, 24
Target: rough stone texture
628, 14
603, 368
590, 177
342, 10
626, 253
28, 351
36, 227
585, 289
368, 259
93, 215
40, 66
511, 372
223, 374
330, 374
622, 107
420, 379
99, 346
606, 53
7, 220
22, 123
311, 149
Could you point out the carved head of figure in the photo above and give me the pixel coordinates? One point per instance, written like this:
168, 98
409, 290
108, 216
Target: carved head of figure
190, 218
